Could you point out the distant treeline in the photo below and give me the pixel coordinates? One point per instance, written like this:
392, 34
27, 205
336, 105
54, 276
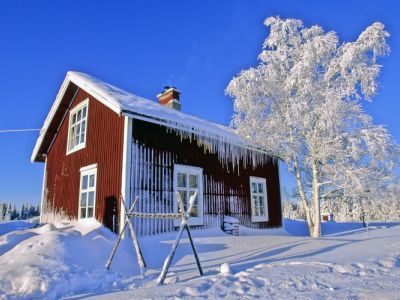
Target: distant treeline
10, 211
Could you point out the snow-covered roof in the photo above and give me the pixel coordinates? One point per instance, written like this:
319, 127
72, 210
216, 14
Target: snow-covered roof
124, 103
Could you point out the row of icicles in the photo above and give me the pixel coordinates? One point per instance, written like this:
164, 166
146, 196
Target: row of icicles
226, 151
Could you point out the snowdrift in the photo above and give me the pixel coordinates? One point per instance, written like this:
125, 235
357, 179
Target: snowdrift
67, 259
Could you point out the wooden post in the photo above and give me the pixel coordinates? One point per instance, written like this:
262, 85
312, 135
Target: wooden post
184, 225
169, 258
194, 250
135, 242
108, 264
128, 214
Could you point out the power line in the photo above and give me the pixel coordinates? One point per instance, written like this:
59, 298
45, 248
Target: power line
18, 130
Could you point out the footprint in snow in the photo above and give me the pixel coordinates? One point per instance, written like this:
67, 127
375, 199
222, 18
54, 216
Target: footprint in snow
188, 291
362, 273
239, 292
388, 262
341, 269
358, 265
205, 286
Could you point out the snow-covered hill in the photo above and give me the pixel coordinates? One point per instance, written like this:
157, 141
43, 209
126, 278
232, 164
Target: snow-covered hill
67, 259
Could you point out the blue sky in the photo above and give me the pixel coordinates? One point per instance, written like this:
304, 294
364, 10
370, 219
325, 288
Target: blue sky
141, 46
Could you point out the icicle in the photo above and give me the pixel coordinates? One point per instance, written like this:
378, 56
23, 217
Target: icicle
227, 152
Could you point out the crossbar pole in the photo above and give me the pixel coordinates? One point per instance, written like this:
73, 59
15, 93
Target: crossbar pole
154, 215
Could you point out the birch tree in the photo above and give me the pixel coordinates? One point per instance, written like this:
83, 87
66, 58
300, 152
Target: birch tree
303, 103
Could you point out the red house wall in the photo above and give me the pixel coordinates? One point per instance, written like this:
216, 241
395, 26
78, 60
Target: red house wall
226, 190
104, 146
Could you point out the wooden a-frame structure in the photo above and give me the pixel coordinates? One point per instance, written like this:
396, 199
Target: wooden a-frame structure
184, 216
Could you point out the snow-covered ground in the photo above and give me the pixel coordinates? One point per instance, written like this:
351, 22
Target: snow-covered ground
67, 260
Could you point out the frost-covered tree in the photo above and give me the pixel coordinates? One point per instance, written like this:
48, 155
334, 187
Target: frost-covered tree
303, 103
14, 215
3, 211
23, 214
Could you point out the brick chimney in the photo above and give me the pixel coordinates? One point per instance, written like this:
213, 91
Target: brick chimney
170, 97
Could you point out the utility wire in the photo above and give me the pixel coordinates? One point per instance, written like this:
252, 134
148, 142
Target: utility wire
18, 130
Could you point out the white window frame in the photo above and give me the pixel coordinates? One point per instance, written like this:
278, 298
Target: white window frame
74, 111
193, 171
263, 181
87, 171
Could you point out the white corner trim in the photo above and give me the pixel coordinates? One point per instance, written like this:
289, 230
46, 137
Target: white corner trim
44, 187
126, 168
280, 165
87, 168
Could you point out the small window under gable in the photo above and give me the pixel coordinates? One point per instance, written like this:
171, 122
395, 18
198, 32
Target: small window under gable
187, 180
77, 127
259, 201
87, 192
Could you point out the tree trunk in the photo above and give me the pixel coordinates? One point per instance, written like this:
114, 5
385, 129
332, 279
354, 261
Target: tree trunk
303, 198
316, 203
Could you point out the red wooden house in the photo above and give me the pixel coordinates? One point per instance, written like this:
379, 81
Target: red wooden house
100, 143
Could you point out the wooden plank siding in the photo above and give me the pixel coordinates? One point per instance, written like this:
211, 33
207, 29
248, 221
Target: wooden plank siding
104, 146
156, 149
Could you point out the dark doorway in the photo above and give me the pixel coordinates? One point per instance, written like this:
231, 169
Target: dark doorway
110, 214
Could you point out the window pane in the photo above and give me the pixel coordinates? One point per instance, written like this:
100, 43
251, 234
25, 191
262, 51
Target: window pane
90, 212
256, 211
91, 181
195, 200
91, 199
193, 181
255, 201
83, 212
71, 137
79, 115
181, 180
194, 212
184, 199
83, 199
262, 211
253, 187
78, 129
73, 118
84, 112
83, 132
260, 188
84, 182
261, 200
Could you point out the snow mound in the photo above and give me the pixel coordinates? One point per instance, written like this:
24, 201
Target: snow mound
51, 262
225, 268
46, 228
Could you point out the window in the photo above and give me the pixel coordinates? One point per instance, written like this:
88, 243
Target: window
87, 194
186, 181
259, 203
77, 127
